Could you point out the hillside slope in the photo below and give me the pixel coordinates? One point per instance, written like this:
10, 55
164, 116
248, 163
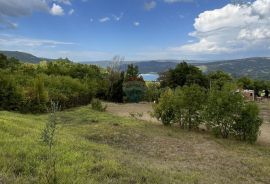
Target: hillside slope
258, 68
94, 147
24, 57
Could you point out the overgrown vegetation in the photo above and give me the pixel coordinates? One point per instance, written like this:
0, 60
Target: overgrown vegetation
30, 87
97, 147
221, 110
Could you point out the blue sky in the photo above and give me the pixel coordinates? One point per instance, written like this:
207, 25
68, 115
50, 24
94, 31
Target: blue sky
90, 30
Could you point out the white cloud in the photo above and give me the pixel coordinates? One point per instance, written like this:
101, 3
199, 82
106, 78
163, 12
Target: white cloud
150, 5
67, 2
57, 10
136, 24
118, 18
13, 41
18, 8
71, 11
104, 19
91, 20
231, 30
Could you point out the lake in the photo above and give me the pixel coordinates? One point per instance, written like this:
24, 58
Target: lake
150, 76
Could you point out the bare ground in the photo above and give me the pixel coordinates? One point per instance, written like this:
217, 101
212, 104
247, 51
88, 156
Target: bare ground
143, 110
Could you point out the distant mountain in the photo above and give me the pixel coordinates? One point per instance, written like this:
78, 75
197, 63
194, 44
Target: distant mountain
257, 67
24, 57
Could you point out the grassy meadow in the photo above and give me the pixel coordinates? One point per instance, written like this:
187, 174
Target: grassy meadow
99, 147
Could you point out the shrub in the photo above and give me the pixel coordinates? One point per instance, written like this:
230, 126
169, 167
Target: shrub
134, 90
152, 92
183, 106
193, 100
248, 125
97, 105
48, 138
69, 92
165, 110
222, 110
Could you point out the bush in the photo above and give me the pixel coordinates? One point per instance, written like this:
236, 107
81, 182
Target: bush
165, 109
134, 90
97, 105
152, 92
193, 100
69, 92
222, 110
183, 106
248, 125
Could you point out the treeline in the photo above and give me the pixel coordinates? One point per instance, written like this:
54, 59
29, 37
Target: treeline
30, 87
214, 101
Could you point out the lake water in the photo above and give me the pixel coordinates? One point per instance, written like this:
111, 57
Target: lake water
150, 76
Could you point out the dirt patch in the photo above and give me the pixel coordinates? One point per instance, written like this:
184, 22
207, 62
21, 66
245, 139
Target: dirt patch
139, 110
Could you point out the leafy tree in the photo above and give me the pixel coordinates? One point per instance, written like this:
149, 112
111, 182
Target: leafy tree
134, 86
183, 74
193, 100
116, 79
134, 91
218, 79
183, 106
245, 83
222, 110
132, 73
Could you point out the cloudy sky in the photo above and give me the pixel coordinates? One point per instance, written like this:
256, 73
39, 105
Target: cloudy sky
90, 30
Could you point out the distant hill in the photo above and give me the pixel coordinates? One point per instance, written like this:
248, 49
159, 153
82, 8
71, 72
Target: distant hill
257, 67
24, 57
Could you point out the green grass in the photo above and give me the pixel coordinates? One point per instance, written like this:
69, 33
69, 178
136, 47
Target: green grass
97, 147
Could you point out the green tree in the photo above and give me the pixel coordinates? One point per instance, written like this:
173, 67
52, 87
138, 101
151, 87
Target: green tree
183, 74
245, 83
116, 79
193, 100
218, 79
134, 90
132, 73
222, 110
